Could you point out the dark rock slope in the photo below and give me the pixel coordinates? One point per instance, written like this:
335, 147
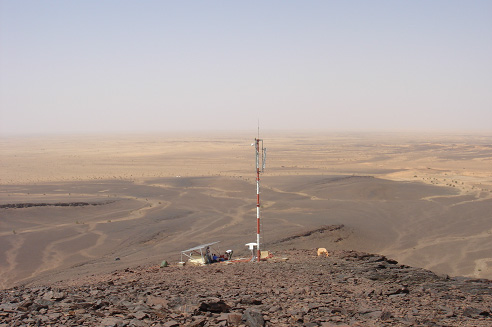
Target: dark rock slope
57, 204
295, 288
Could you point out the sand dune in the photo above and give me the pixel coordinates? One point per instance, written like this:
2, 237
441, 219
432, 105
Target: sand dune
423, 201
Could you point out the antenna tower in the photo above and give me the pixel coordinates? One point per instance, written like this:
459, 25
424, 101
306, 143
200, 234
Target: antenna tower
260, 158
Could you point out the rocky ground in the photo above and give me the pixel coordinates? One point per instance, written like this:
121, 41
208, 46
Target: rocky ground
295, 288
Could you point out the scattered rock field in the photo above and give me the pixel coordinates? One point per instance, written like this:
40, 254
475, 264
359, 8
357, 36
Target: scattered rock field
294, 288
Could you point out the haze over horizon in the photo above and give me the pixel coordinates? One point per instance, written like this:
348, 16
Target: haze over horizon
160, 66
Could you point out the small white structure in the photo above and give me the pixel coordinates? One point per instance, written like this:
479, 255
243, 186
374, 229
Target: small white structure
252, 247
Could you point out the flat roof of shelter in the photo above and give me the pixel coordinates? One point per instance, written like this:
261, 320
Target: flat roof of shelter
199, 247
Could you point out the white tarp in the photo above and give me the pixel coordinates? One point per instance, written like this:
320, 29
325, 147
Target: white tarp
197, 258
199, 247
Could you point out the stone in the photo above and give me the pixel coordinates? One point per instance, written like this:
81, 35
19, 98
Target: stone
54, 316
253, 318
374, 314
40, 304
79, 311
155, 300
222, 317
250, 300
58, 296
111, 322
52, 295
474, 312
386, 315
198, 322
140, 315
214, 307
234, 318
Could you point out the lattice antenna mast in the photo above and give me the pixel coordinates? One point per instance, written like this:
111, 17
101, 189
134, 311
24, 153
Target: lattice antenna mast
260, 167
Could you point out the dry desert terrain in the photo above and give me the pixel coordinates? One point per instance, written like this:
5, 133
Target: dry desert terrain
72, 204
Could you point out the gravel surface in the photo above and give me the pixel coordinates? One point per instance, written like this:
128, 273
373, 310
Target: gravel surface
294, 288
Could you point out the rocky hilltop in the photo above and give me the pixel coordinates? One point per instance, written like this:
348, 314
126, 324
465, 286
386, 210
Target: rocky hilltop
294, 288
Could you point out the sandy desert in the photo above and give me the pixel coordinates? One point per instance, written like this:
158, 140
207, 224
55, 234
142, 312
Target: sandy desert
73, 204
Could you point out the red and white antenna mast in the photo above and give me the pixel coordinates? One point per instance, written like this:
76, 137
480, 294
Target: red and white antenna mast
260, 158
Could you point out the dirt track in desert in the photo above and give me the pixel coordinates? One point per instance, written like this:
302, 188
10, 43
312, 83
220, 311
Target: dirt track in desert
425, 200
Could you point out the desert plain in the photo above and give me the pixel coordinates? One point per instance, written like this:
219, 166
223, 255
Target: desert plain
79, 205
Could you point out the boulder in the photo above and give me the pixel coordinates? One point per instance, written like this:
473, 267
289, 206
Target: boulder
253, 318
214, 307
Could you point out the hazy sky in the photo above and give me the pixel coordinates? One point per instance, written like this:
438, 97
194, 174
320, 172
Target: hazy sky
159, 66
